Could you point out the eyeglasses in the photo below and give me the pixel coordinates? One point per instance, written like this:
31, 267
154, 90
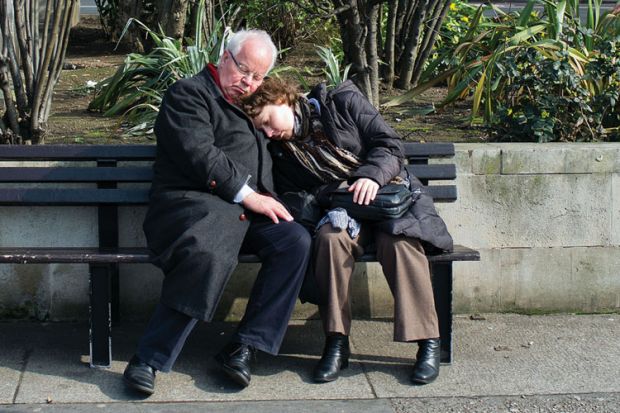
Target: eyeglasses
245, 71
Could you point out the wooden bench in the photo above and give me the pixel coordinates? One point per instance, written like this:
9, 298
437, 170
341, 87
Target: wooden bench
109, 176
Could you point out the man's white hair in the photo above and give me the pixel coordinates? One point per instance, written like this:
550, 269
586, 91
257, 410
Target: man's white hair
239, 38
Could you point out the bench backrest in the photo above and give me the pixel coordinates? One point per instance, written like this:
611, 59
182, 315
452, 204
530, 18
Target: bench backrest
102, 175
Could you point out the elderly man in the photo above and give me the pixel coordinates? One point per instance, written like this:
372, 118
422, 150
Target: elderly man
211, 198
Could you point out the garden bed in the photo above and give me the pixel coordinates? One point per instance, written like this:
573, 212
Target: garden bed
90, 58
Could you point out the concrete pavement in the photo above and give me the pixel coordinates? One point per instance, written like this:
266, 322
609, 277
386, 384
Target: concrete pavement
502, 363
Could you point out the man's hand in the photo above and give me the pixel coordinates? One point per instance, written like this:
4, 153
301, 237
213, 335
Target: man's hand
364, 190
266, 205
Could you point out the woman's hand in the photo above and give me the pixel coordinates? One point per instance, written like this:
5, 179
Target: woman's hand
364, 190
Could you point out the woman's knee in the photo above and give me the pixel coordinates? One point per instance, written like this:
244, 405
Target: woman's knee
328, 236
395, 243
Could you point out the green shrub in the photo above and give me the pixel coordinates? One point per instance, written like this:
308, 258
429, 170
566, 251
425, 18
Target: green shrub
136, 89
537, 76
288, 23
548, 100
454, 29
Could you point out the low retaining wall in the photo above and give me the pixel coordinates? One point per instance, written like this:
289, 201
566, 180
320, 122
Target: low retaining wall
546, 218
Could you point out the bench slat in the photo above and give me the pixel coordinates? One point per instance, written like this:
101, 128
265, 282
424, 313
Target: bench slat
442, 193
434, 171
428, 150
77, 152
145, 174
75, 174
73, 196
147, 152
90, 255
132, 196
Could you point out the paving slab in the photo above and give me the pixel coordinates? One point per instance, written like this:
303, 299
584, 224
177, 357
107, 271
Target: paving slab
555, 403
57, 370
286, 406
498, 359
13, 354
502, 355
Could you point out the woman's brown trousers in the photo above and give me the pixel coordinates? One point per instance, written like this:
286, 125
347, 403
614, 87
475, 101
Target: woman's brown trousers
404, 265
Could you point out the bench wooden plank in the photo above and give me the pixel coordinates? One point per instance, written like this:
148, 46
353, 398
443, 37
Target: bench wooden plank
127, 196
442, 193
147, 152
428, 150
76, 174
145, 174
434, 171
42, 255
73, 196
78, 152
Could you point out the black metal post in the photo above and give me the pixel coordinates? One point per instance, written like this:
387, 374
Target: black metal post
108, 238
100, 328
442, 288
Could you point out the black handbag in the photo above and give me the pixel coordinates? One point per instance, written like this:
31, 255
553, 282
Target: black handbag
392, 201
303, 206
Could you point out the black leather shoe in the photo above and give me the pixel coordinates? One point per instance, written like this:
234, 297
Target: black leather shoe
426, 367
335, 358
234, 360
139, 376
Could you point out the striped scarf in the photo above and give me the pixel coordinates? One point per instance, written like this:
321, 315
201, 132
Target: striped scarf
315, 152
322, 158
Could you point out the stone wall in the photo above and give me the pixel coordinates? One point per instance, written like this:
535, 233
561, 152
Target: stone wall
546, 218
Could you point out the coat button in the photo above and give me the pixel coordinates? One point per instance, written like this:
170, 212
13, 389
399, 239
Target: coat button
242, 217
212, 184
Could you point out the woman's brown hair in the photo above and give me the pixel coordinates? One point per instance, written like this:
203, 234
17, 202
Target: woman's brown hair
272, 91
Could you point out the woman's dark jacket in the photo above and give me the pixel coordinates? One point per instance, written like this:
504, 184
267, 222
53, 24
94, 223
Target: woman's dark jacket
206, 150
352, 123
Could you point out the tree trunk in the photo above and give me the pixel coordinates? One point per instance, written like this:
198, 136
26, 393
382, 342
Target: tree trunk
390, 42
172, 14
372, 19
438, 16
408, 59
353, 34
130, 9
208, 20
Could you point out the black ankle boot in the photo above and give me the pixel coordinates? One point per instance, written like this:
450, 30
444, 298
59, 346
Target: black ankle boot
426, 367
335, 358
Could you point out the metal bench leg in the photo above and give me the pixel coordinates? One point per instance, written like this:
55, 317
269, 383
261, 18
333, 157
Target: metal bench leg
115, 292
442, 287
100, 339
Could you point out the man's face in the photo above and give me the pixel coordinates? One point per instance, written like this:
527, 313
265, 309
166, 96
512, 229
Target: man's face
243, 73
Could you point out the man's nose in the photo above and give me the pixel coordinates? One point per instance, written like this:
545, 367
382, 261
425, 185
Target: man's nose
247, 80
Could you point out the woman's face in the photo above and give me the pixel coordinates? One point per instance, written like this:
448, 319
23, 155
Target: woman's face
277, 121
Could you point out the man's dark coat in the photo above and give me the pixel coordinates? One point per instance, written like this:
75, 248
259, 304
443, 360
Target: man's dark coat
206, 150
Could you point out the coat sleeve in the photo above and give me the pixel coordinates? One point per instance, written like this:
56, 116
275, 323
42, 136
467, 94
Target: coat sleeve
383, 149
185, 132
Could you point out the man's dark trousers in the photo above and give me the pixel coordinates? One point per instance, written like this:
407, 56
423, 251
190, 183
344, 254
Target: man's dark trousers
285, 250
